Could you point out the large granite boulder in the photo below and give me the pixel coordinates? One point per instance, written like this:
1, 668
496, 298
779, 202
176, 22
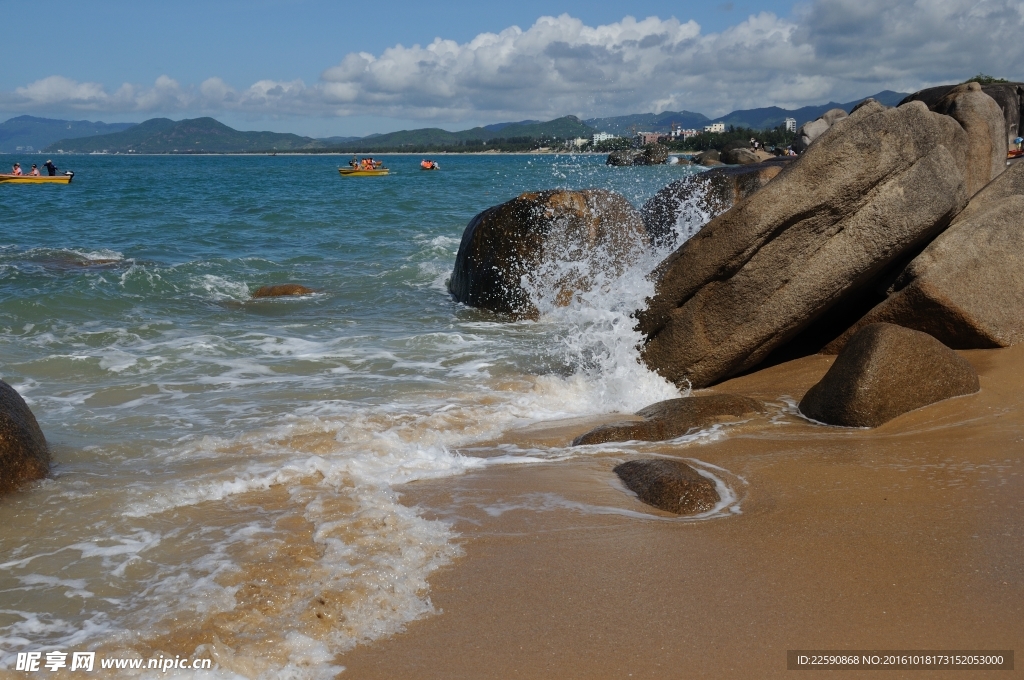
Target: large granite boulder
674, 418
967, 287
886, 370
24, 455
982, 119
556, 240
669, 485
622, 157
862, 199
686, 205
741, 156
811, 130
1009, 97
709, 158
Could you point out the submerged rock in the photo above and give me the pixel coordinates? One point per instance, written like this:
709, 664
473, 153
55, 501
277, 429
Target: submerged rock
684, 206
23, 452
674, 418
669, 485
886, 370
282, 289
558, 240
967, 287
847, 213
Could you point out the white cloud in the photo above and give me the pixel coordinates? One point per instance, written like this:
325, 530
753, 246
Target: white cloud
831, 49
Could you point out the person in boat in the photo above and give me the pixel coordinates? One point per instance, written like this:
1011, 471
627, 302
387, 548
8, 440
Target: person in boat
34, 172
354, 163
16, 169
51, 169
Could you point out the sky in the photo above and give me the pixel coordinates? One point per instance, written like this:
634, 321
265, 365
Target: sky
341, 67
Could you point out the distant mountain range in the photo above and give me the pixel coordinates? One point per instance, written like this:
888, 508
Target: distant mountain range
566, 127
196, 135
33, 134
206, 135
756, 119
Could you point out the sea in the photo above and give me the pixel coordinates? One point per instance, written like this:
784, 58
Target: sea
227, 471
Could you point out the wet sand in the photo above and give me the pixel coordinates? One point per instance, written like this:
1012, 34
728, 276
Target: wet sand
908, 536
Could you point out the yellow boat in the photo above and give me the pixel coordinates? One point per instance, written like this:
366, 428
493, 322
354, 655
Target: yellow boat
359, 172
36, 179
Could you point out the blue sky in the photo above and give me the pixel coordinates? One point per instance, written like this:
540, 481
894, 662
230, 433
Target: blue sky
344, 67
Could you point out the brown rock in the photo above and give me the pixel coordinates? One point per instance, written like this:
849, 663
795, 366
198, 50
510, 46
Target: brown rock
886, 370
23, 452
708, 158
674, 418
811, 130
283, 289
740, 156
868, 193
967, 287
983, 120
687, 204
1009, 97
669, 485
596, 228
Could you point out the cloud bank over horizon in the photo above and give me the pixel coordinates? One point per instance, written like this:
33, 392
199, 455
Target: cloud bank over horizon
829, 50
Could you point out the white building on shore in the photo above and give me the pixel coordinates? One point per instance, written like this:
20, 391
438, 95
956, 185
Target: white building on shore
715, 128
791, 124
603, 137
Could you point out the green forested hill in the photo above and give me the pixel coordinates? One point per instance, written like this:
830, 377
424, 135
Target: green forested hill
566, 127
196, 135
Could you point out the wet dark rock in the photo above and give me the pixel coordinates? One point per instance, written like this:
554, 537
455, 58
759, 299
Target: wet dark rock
24, 455
674, 418
886, 370
684, 206
595, 228
669, 485
622, 157
282, 289
869, 194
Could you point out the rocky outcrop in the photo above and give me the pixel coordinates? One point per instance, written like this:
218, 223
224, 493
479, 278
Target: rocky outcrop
886, 370
741, 156
1009, 97
23, 452
686, 205
811, 130
652, 154
598, 230
669, 485
674, 418
622, 157
282, 289
869, 193
967, 287
709, 158
982, 119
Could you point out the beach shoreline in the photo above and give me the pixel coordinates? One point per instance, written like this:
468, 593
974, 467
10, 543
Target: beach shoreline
906, 536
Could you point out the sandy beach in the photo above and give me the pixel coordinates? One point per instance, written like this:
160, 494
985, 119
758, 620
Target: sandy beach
907, 536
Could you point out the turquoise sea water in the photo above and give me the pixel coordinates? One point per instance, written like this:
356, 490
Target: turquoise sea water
204, 442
